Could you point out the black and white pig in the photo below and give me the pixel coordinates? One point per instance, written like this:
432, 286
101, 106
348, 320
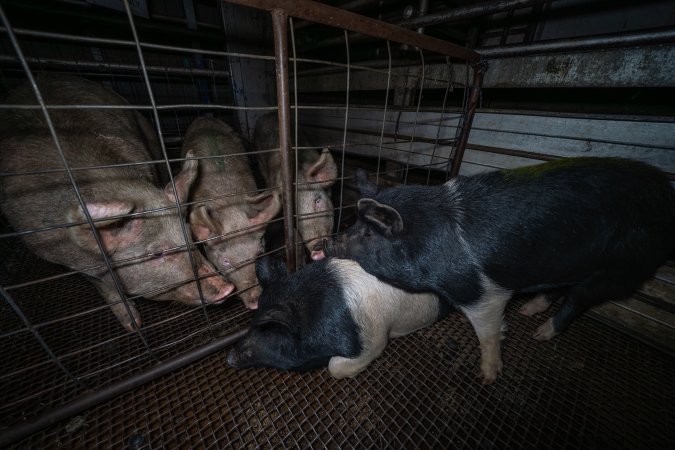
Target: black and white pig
316, 174
590, 229
228, 214
147, 249
329, 313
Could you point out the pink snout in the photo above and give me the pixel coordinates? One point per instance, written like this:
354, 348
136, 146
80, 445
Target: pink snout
316, 255
250, 297
318, 246
214, 287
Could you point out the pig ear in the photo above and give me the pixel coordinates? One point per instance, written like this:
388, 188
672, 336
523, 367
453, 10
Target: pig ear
365, 186
263, 207
183, 180
114, 233
202, 224
269, 269
385, 218
323, 171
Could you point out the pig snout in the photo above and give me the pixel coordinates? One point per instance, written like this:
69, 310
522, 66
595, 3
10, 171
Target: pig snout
318, 252
250, 297
317, 255
214, 288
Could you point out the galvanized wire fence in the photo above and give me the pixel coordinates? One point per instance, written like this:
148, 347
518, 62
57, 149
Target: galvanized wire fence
61, 341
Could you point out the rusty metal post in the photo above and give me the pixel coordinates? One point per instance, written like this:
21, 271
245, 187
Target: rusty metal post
280, 31
472, 103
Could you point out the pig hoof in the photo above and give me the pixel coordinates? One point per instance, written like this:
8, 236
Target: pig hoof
252, 305
535, 306
546, 331
490, 371
132, 326
129, 323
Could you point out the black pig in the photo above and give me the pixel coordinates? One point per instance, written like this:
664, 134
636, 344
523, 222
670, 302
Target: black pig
588, 229
329, 313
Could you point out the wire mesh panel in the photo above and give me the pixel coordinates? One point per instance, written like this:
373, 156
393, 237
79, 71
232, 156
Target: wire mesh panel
62, 340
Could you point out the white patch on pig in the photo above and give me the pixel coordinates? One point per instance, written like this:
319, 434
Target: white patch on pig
487, 317
380, 311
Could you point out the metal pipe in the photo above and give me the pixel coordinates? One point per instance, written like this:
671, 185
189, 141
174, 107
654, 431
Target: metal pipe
478, 72
467, 12
90, 400
338, 18
423, 11
280, 31
585, 43
443, 17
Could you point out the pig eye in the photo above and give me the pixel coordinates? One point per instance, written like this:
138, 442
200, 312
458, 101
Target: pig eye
225, 262
368, 233
161, 254
317, 200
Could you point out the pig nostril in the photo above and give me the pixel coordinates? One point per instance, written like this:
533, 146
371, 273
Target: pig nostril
317, 255
221, 290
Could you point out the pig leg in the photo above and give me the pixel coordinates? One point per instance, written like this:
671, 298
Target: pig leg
340, 367
539, 303
598, 288
487, 317
111, 297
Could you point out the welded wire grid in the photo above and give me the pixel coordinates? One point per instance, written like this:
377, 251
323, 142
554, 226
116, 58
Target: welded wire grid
591, 388
60, 336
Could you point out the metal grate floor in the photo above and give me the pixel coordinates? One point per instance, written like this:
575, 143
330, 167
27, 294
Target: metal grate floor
73, 320
592, 387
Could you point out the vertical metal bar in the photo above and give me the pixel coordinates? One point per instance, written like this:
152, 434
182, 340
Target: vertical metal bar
280, 29
384, 115
155, 114
71, 178
478, 72
458, 129
448, 88
344, 134
299, 247
417, 113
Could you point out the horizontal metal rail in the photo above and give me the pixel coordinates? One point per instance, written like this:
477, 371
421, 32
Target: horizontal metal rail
339, 18
107, 67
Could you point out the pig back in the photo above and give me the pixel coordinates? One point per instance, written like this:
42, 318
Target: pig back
378, 306
126, 130
210, 138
